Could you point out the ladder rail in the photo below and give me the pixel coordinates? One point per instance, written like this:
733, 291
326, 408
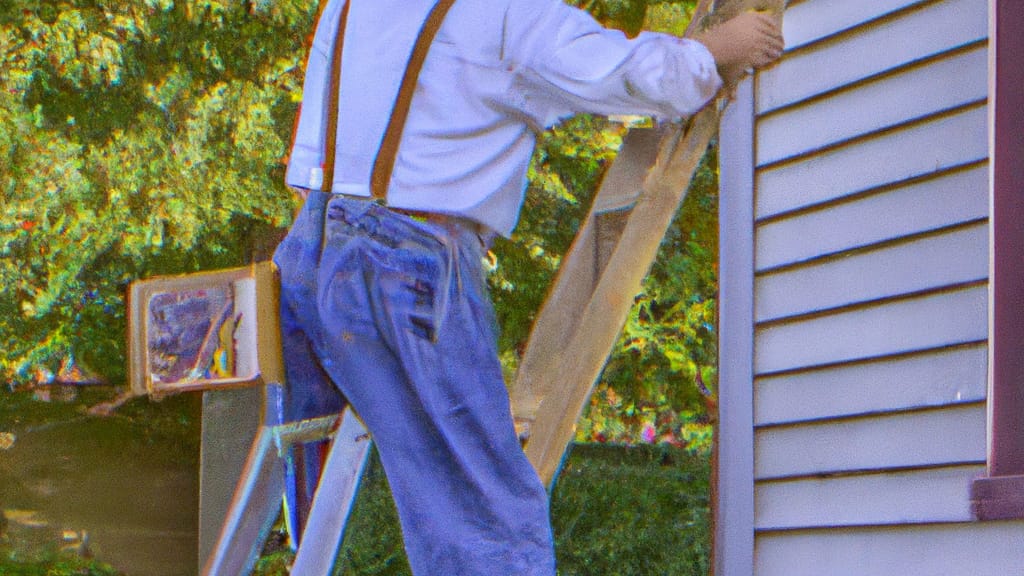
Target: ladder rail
260, 491
555, 380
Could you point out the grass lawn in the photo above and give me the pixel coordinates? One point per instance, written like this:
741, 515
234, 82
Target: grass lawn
616, 511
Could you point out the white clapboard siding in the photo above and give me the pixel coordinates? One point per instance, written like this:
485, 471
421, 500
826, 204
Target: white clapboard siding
960, 549
891, 157
919, 323
928, 379
951, 198
902, 497
870, 294
874, 49
812, 20
957, 256
950, 436
913, 93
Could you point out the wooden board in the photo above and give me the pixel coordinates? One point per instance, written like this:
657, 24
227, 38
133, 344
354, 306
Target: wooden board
942, 319
733, 460
975, 549
949, 199
876, 49
914, 92
928, 379
957, 256
864, 165
950, 436
902, 497
813, 20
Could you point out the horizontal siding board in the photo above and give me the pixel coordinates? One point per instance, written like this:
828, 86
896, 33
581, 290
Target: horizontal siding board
922, 380
961, 549
888, 101
920, 323
892, 157
807, 22
954, 257
875, 49
950, 436
904, 497
950, 199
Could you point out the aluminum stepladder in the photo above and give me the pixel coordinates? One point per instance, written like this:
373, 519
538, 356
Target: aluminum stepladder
261, 489
568, 346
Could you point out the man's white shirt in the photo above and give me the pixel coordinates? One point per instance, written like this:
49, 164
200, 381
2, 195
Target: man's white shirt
498, 73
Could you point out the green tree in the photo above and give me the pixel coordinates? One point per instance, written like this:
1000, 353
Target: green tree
142, 137
138, 137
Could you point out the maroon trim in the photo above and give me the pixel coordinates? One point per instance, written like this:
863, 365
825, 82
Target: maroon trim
999, 498
1008, 240
1002, 494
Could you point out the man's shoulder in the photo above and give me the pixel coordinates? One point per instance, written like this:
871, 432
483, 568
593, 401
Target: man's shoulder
476, 24
502, 10
500, 29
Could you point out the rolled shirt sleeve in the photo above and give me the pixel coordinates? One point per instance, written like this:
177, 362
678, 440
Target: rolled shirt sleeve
566, 62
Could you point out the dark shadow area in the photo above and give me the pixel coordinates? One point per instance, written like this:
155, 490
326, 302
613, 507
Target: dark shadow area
122, 489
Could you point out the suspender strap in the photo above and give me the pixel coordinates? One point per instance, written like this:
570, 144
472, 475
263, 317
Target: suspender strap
331, 138
385, 160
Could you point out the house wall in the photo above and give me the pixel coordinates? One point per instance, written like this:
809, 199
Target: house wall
870, 297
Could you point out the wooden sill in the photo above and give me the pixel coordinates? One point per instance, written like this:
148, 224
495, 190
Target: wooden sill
998, 498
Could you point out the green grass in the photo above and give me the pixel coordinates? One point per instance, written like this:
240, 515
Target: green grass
54, 564
616, 511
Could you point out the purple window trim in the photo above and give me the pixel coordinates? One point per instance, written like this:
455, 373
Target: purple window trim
1001, 494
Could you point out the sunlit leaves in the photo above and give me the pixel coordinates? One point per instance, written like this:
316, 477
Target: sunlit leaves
142, 137
136, 137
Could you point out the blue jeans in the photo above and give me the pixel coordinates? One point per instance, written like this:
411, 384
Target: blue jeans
395, 313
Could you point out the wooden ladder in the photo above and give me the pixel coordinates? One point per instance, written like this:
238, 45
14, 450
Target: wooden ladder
581, 319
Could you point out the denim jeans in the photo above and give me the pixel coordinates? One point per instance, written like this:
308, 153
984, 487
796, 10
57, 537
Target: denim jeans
395, 313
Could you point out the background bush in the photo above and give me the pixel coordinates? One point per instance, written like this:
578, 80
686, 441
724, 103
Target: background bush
146, 137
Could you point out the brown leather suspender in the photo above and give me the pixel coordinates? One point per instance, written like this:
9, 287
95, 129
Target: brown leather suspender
385, 160
331, 138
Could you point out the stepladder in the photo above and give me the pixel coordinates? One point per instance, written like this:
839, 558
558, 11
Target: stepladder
268, 480
572, 337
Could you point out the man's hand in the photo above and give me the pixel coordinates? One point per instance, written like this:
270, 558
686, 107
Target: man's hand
750, 40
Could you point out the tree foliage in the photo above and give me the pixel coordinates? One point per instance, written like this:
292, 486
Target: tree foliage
138, 137
142, 137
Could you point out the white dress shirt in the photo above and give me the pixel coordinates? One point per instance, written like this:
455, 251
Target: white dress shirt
498, 73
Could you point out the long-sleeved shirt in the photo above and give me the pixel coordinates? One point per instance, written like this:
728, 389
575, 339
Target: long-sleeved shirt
497, 74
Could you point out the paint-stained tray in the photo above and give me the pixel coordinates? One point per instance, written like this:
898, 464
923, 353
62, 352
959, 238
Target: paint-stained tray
204, 330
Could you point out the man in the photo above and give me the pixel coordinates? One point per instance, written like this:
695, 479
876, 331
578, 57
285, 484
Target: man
389, 303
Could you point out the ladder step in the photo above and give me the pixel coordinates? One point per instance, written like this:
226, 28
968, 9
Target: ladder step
260, 491
335, 495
